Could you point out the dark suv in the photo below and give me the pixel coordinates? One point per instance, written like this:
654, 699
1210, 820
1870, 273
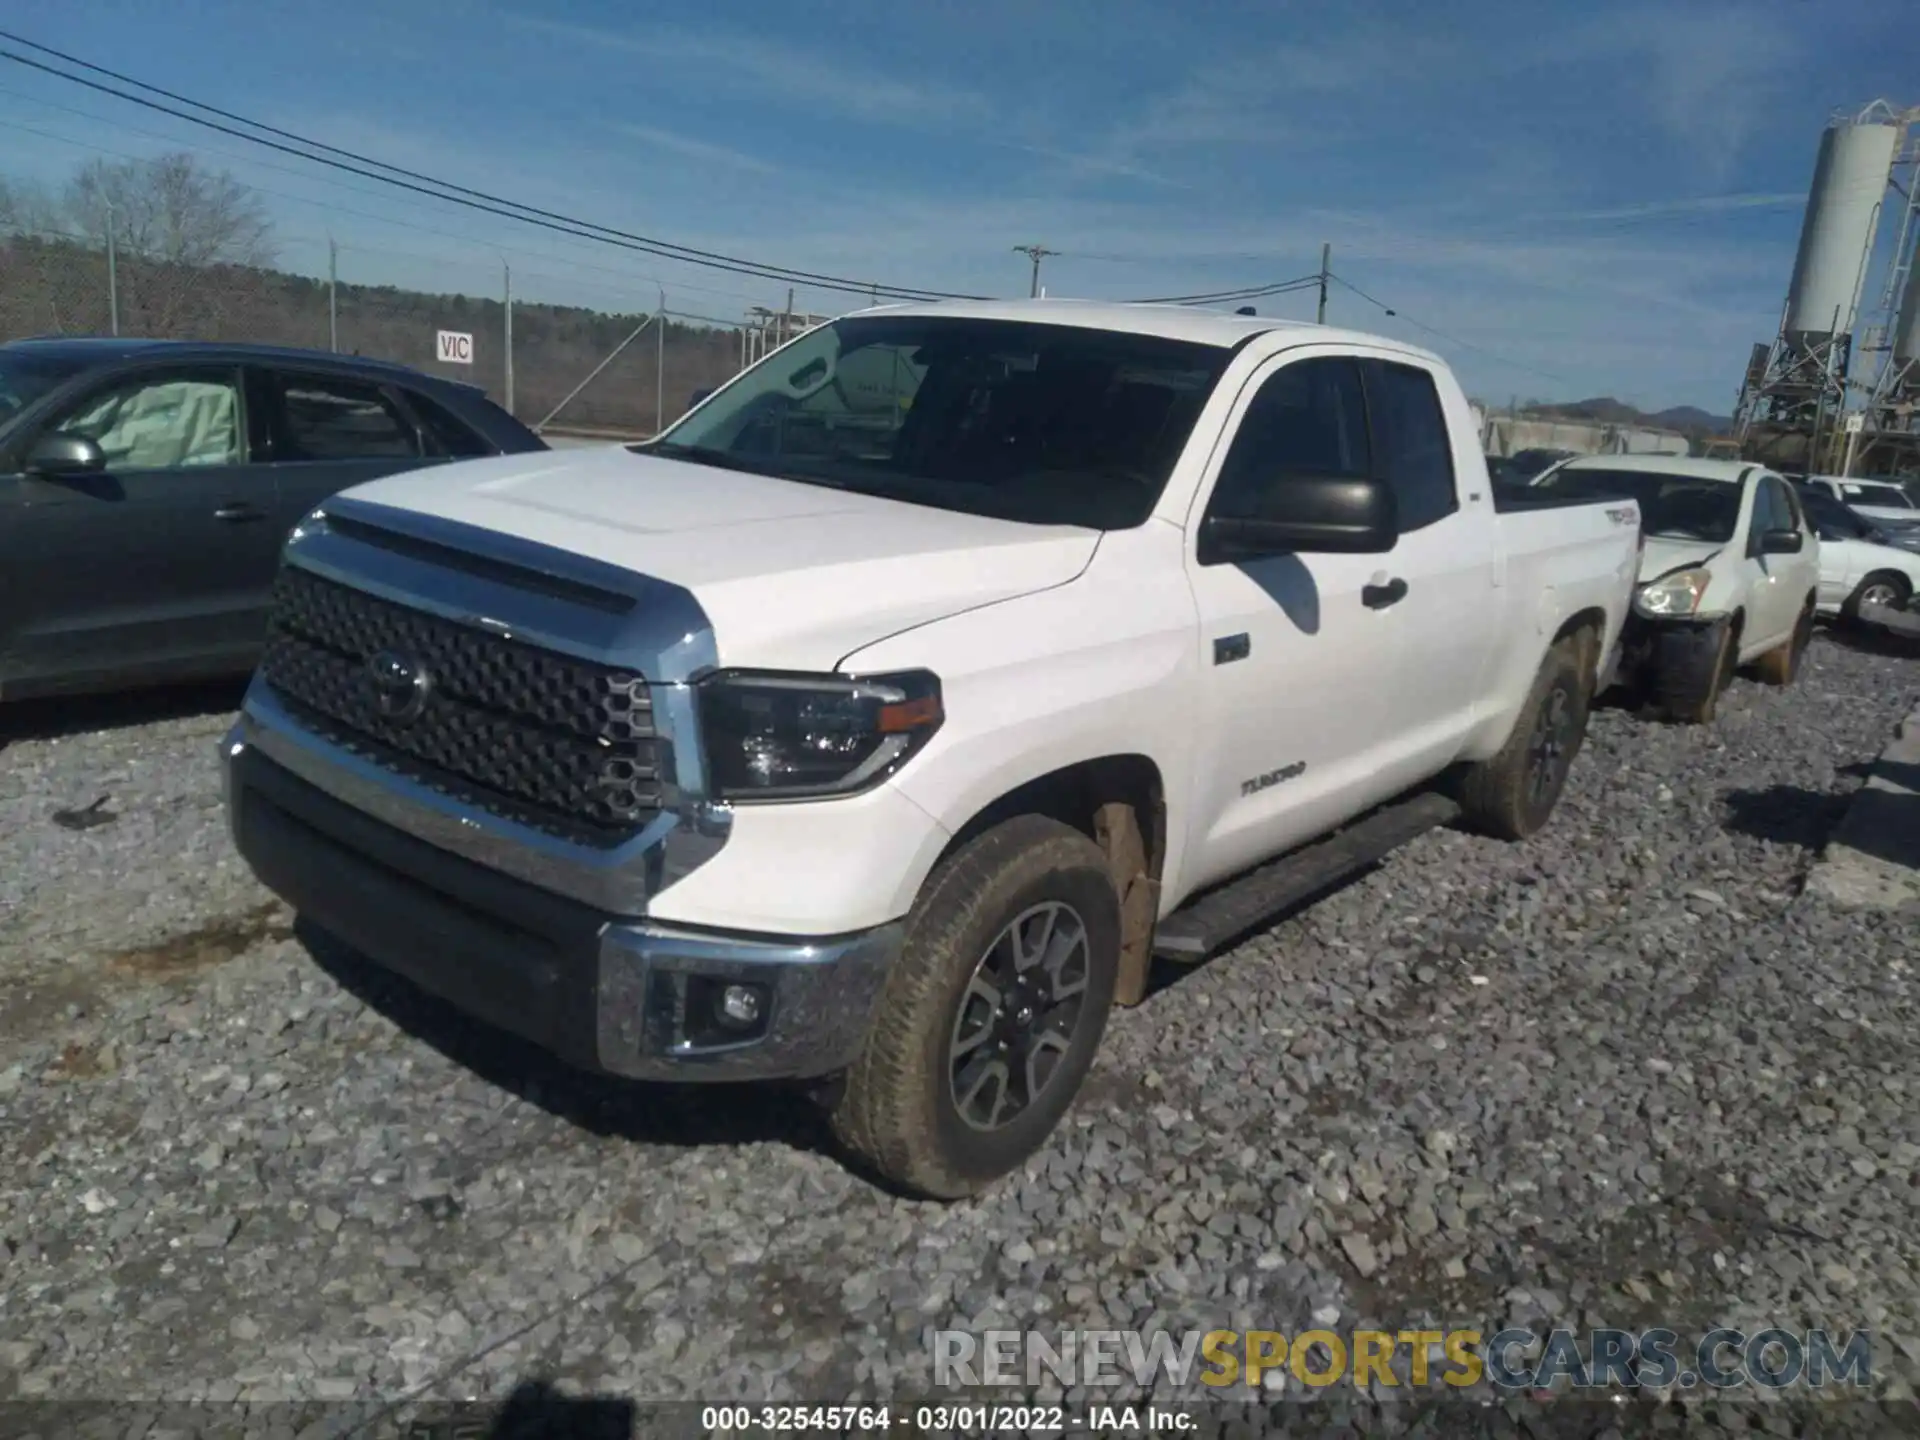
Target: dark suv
146, 487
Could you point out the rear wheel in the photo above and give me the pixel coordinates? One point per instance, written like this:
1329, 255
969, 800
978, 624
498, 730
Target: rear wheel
1512, 795
1690, 693
992, 1013
1781, 665
1883, 587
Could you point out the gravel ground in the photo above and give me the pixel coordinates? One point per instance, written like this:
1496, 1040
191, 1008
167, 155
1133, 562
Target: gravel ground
1624, 1074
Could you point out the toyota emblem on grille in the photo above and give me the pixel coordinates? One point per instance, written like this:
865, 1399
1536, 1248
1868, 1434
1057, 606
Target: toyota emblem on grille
400, 686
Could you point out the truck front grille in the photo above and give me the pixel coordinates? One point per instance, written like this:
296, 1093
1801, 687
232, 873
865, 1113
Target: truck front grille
548, 740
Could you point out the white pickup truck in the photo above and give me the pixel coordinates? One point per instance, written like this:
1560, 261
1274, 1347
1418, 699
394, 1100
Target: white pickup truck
880, 722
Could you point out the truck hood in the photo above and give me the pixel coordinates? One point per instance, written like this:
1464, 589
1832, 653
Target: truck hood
1663, 554
792, 576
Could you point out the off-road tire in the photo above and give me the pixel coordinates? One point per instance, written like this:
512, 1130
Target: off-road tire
1781, 665
1691, 696
1902, 592
1499, 797
896, 1111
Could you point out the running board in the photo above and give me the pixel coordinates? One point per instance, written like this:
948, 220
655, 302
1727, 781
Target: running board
1222, 915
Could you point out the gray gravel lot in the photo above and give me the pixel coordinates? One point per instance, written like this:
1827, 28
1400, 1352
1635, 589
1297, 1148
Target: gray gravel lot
1623, 1074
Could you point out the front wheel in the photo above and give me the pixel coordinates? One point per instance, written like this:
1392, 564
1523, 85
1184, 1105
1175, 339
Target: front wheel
1883, 588
1781, 665
990, 1018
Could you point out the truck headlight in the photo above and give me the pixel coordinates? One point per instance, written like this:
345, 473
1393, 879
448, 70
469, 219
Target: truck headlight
1672, 597
792, 737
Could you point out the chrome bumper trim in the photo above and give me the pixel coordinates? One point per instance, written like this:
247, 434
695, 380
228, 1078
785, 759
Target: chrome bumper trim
823, 993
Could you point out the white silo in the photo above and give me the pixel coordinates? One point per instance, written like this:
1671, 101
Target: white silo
1906, 320
1837, 233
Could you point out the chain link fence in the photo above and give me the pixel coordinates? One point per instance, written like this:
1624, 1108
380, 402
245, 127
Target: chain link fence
54, 282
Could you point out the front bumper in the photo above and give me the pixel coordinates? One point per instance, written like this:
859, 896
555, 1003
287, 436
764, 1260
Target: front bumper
1651, 648
619, 996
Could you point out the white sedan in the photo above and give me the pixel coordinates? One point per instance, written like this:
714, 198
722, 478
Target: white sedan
1884, 502
1729, 573
1857, 570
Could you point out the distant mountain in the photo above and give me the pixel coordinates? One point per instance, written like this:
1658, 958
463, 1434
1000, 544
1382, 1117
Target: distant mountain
1605, 410
1691, 418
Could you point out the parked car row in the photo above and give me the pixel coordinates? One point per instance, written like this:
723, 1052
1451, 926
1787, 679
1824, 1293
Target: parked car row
146, 488
882, 748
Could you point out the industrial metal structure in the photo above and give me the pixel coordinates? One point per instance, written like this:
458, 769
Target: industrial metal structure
1838, 385
767, 330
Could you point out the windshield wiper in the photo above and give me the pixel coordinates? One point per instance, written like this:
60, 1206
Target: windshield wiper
697, 455
726, 460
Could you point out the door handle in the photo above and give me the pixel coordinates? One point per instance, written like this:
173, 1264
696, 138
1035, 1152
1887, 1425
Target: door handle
238, 512
1379, 597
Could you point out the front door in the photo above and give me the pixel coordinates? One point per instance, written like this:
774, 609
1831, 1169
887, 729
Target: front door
1777, 584
162, 561
1297, 666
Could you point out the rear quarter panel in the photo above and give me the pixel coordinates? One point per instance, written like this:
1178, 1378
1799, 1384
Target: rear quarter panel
1561, 564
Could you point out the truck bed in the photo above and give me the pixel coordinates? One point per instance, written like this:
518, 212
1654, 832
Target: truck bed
1508, 499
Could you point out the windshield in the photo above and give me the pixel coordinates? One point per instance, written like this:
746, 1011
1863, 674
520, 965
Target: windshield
1673, 507
1833, 520
1887, 497
24, 380
1047, 424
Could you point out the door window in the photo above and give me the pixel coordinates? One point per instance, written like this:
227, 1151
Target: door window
1307, 419
450, 436
1412, 448
162, 423
1785, 508
324, 417
1765, 514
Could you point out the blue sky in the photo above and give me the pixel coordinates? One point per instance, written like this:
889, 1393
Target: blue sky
1582, 198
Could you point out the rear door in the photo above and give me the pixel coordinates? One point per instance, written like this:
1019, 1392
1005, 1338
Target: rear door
1447, 560
329, 432
158, 564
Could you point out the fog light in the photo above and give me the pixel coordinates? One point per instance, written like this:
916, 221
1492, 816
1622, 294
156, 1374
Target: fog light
740, 1005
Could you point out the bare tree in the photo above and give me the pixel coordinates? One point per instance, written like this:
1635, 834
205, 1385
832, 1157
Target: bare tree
172, 210
27, 210
191, 246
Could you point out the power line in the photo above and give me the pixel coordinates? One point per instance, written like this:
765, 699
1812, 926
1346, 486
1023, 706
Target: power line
444, 190
1035, 253
1444, 336
1251, 292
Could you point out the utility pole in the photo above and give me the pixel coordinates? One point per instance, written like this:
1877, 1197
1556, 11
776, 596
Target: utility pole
786, 320
1035, 253
333, 296
506, 287
113, 275
660, 365
1326, 258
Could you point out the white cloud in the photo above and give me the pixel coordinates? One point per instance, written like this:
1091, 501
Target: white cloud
691, 148
748, 66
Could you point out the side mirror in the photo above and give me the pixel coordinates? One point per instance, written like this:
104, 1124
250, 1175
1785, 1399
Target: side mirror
54, 455
1782, 542
1306, 514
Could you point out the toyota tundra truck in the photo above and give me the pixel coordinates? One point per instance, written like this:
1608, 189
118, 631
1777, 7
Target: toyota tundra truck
879, 723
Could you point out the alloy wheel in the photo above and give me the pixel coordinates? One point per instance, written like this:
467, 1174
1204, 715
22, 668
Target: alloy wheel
1019, 1016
